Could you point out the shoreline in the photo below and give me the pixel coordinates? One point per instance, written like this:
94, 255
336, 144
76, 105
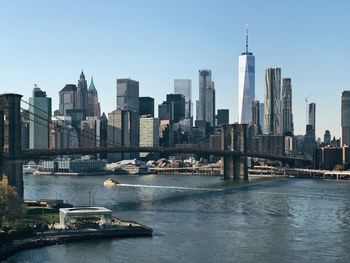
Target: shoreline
50, 238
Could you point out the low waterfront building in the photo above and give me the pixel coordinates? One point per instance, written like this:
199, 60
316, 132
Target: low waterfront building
74, 166
73, 217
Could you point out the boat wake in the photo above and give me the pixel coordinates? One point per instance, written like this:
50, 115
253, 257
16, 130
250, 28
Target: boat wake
169, 187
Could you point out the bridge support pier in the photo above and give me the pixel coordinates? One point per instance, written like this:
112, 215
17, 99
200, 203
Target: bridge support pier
10, 141
234, 138
12, 174
234, 167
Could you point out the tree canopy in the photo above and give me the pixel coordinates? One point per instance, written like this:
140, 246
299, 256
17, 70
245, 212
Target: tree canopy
12, 206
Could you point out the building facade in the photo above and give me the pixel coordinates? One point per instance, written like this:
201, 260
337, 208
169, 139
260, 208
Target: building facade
128, 95
149, 132
210, 104
123, 130
39, 119
67, 98
246, 85
206, 104
312, 115
287, 113
345, 117
93, 104
146, 106
176, 107
256, 114
82, 95
90, 132
327, 137
272, 105
223, 117
184, 87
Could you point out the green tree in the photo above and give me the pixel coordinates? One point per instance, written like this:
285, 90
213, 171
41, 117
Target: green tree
12, 206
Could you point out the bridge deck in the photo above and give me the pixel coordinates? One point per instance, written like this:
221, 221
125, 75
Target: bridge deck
42, 153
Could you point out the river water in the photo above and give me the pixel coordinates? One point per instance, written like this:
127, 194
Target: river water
203, 219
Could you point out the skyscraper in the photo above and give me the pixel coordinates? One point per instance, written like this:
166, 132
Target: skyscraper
184, 87
124, 122
39, 118
206, 104
327, 137
310, 136
246, 85
312, 115
93, 104
345, 117
210, 104
272, 111
82, 94
262, 115
149, 132
163, 111
128, 95
223, 117
256, 114
146, 106
123, 130
176, 107
287, 119
67, 98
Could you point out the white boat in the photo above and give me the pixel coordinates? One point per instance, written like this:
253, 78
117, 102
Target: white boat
29, 169
110, 182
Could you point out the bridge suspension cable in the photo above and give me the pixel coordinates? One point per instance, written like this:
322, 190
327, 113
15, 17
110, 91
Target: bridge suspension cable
83, 133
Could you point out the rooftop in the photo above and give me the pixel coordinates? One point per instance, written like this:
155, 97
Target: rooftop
85, 210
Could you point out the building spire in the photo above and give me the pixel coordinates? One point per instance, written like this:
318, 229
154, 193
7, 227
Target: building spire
82, 76
246, 39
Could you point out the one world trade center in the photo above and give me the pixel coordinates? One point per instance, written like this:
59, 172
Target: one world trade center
246, 85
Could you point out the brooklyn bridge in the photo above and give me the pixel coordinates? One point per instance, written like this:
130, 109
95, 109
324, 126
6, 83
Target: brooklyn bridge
233, 150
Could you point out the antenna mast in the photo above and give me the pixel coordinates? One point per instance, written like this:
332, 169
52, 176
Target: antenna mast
246, 39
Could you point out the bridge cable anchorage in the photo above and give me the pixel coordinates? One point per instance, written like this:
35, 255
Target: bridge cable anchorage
84, 133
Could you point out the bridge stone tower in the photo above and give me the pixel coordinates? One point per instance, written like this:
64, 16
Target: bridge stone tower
234, 138
10, 141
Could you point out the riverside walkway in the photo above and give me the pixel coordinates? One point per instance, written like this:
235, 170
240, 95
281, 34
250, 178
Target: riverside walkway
60, 236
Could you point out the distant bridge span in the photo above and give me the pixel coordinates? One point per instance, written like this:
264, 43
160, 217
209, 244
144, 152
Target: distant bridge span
42, 153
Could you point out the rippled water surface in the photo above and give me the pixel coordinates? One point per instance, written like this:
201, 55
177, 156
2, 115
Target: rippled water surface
202, 219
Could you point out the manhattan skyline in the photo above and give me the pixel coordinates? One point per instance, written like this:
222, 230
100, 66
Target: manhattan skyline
156, 42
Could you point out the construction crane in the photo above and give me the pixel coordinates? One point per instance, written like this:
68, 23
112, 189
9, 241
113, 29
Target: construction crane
306, 105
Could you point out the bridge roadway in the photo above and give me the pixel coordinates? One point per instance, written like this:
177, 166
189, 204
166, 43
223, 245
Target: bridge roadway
44, 153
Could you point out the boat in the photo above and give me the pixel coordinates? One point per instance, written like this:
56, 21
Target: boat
30, 168
110, 182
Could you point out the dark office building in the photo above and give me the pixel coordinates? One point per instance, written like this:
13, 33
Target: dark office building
256, 115
163, 111
327, 137
146, 106
328, 157
222, 117
345, 117
309, 139
176, 106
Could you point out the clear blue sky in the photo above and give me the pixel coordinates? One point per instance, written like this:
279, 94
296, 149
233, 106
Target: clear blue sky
154, 41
